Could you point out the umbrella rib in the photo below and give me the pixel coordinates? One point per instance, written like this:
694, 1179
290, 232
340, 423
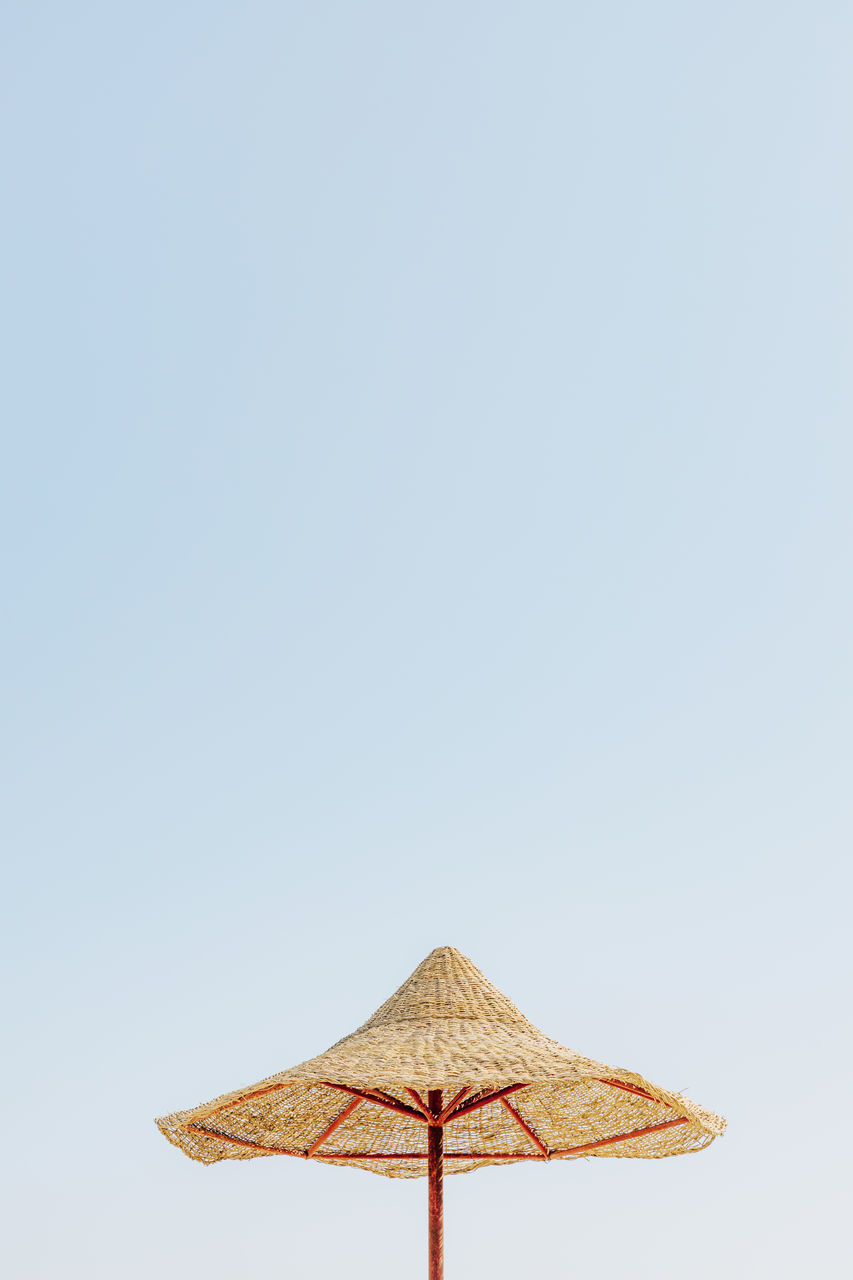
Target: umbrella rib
242, 1142
244, 1097
528, 1129
622, 1137
448, 1155
632, 1088
362, 1155
381, 1100
442, 1119
423, 1155
483, 1101
330, 1129
420, 1104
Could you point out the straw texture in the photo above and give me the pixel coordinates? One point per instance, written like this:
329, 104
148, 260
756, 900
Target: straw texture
447, 1028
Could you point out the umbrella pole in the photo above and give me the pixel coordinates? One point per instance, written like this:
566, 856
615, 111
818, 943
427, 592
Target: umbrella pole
436, 1189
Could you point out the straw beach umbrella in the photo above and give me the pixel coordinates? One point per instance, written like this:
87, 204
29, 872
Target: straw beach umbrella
446, 1075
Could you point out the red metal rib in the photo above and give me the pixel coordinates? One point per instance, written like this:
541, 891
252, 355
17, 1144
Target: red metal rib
516, 1155
421, 1105
245, 1097
423, 1155
622, 1137
531, 1133
380, 1095
483, 1100
260, 1149
330, 1129
442, 1119
448, 1155
381, 1100
631, 1088
243, 1142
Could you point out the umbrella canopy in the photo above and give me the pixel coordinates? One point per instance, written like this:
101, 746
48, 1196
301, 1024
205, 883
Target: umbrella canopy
447, 1075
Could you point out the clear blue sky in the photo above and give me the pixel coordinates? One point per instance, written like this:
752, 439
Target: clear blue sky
426, 519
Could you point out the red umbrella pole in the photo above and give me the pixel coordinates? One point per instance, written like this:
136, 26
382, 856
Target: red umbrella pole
436, 1189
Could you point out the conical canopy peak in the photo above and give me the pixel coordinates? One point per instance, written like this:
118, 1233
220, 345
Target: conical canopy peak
447, 985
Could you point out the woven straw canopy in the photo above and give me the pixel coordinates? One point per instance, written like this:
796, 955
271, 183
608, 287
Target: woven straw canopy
508, 1092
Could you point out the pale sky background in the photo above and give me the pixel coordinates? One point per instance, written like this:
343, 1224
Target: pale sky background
426, 518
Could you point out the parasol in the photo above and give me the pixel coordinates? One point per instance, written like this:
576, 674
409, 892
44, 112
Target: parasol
447, 1075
